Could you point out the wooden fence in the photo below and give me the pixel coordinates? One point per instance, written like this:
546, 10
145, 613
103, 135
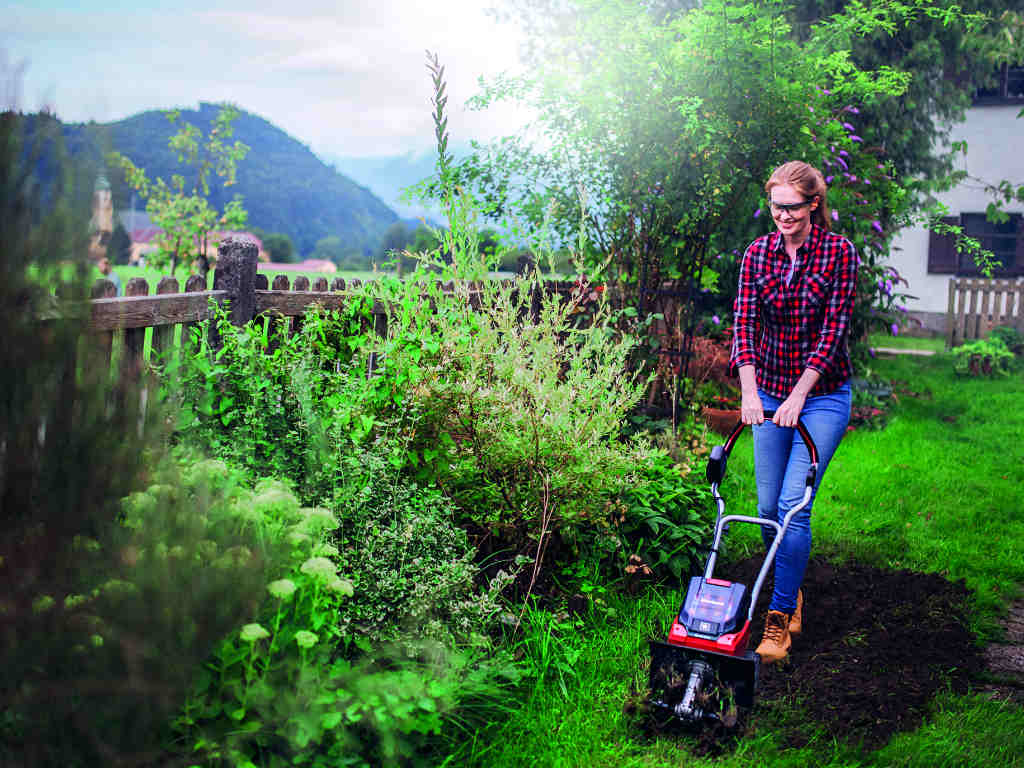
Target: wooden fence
235, 281
976, 306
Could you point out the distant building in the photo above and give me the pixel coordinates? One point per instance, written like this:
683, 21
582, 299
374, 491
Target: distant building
144, 237
101, 225
995, 151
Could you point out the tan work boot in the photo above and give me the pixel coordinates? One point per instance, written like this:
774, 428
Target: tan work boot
796, 622
775, 643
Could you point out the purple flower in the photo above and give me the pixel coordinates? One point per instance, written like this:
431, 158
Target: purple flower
871, 351
757, 213
888, 287
716, 320
853, 178
828, 179
855, 138
835, 216
811, 108
849, 127
895, 329
866, 181
843, 153
877, 226
842, 163
854, 110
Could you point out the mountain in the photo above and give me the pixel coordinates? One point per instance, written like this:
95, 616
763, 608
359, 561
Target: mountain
285, 187
387, 176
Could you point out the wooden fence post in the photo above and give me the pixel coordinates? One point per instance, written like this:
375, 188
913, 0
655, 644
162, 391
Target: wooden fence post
134, 338
236, 275
194, 284
104, 289
163, 335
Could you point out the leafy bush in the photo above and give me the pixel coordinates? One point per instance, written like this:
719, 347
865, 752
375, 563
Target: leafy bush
984, 357
661, 518
101, 625
1010, 336
412, 566
278, 404
301, 683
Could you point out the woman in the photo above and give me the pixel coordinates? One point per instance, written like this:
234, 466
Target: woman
792, 314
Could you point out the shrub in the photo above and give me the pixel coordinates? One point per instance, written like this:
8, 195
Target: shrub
298, 681
664, 518
412, 566
984, 357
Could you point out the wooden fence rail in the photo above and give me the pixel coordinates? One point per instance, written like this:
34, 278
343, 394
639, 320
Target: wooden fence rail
236, 283
976, 306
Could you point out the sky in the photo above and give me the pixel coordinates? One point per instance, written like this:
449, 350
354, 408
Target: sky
345, 77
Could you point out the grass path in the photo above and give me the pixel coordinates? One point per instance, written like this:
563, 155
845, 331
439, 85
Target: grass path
940, 489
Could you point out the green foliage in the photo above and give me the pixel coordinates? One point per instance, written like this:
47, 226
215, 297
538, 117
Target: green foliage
280, 247
660, 517
291, 685
413, 567
282, 405
983, 357
670, 118
119, 248
103, 623
181, 209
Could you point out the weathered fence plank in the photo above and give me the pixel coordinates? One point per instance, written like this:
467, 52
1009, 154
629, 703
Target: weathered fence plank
149, 311
134, 337
976, 306
163, 335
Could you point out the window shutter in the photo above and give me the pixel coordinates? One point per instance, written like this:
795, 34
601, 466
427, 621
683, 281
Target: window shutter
942, 253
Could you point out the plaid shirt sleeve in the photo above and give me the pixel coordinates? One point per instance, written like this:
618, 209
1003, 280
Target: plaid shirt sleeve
745, 317
837, 311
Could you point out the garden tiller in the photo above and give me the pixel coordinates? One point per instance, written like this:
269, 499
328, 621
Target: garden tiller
704, 668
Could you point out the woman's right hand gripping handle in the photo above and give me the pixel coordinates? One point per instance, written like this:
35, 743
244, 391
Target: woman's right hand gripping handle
751, 408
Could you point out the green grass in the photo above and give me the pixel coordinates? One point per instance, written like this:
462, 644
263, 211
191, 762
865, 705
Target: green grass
935, 344
941, 489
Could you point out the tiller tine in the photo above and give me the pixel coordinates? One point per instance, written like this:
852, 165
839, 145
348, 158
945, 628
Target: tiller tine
692, 683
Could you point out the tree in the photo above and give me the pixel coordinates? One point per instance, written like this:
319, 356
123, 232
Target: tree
119, 248
660, 127
280, 247
182, 212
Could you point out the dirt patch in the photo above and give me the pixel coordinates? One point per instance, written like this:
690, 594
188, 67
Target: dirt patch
876, 646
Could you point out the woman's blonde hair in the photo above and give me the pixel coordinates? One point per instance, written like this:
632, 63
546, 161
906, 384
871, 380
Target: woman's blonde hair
808, 181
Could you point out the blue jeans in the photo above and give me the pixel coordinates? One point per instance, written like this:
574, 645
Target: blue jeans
781, 461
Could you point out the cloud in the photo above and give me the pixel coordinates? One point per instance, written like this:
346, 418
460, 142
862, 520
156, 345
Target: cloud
347, 77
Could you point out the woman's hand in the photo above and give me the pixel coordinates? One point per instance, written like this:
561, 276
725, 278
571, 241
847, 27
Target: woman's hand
787, 414
751, 410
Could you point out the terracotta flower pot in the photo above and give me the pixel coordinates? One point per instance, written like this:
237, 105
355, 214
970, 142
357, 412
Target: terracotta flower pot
721, 420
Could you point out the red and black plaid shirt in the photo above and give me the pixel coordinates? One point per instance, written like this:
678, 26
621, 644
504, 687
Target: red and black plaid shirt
782, 329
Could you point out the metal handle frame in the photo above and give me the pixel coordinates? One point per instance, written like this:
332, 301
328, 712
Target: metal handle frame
716, 472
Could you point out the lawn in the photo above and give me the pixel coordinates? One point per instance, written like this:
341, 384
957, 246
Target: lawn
938, 490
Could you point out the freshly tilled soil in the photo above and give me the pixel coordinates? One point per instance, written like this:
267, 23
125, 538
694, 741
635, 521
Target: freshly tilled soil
876, 646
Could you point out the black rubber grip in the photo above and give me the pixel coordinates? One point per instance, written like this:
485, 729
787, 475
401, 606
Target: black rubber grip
808, 440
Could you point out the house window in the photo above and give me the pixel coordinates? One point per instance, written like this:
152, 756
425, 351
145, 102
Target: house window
1004, 240
1007, 88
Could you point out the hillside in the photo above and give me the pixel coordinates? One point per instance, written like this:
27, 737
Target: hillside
285, 187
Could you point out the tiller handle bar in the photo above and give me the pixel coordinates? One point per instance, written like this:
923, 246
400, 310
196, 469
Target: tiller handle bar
716, 472
720, 453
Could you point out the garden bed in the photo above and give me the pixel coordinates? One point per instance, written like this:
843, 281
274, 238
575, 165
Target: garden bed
877, 646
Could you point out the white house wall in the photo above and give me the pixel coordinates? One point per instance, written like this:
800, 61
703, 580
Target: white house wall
995, 151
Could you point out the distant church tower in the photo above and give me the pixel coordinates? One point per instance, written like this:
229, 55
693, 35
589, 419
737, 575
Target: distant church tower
102, 223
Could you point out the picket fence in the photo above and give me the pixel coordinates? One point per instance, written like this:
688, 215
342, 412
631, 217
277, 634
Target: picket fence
977, 305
